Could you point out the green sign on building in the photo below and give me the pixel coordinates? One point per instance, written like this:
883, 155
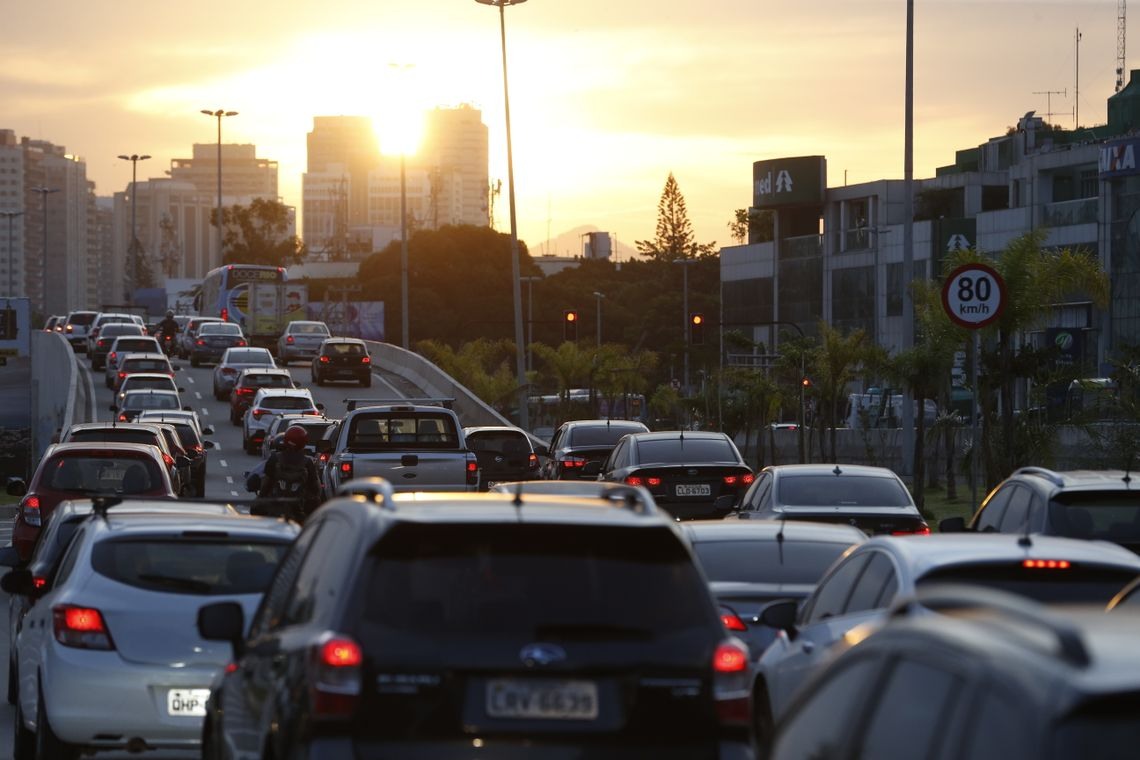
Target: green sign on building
789, 181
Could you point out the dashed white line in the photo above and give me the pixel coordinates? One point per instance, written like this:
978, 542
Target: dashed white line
233, 493
230, 479
223, 463
205, 410
198, 395
191, 379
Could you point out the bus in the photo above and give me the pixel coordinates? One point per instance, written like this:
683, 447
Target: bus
259, 298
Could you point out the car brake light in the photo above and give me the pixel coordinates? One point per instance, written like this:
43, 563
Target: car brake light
532, 461
731, 620
38, 581
168, 459
30, 510
225, 315
635, 480
257, 413
80, 627
731, 687
324, 360
365, 360
112, 357
1047, 564
229, 371
730, 480
653, 481
196, 449
122, 375
123, 418
241, 342
472, 470
922, 530
200, 342
334, 678
311, 411
572, 462
346, 469
746, 480
289, 339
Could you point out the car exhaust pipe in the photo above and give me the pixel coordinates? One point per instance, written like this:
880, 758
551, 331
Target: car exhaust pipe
137, 745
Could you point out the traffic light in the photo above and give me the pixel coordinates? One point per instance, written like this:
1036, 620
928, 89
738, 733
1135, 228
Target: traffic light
570, 325
696, 328
806, 383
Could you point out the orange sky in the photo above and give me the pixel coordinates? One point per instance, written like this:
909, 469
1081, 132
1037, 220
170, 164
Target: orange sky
607, 98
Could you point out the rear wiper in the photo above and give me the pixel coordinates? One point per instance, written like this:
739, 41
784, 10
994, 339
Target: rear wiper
592, 632
186, 584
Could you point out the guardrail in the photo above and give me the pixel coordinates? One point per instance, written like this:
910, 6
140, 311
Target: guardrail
55, 386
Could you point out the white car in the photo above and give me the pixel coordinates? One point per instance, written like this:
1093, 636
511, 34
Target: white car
108, 318
109, 657
269, 402
301, 340
127, 344
158, 381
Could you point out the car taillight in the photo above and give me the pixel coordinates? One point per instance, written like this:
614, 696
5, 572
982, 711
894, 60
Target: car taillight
472, 470
653, 481
112, 357
289, 339
322, 458
257, 413
244, 391
532, 461
743, 480
30, 510
346, 470
225, 315
1047, 564
569, 463
324, 360
922, 530
39, 582
168, 459
311, 411
200, 342
80, 627
747, 480
241, 343
731, 620
196, 449
229, 371
123, 418
122, 375
334, 678
365, 360
635, 480
100, 343
731, 683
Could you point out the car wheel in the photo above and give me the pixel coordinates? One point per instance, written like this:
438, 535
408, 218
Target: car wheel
13, 683
762, 723
23, 739
366, 381
48, 745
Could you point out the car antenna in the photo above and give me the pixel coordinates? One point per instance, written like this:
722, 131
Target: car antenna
780, 536
1128, 472
1025, 540
517, 502
837, 471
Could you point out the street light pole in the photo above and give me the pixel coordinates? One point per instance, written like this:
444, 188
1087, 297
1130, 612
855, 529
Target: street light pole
218, 114
599, 296
11, 215
516, 284
132, 248
404, 249
908, 240
44, 193
530, 319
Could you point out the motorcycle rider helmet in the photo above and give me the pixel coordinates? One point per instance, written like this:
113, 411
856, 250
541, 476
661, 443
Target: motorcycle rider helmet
296, 437
170, 313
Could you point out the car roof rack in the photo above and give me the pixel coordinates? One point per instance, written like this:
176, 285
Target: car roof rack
950, 597
376, 490
633, 498
1042, 472
355, 403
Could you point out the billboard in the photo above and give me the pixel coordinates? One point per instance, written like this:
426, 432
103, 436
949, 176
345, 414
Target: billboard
795, 181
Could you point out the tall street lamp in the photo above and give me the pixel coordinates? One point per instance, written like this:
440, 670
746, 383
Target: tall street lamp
44, 193
516, 284
11, 215
530, 280
133, 248
908, 238
599, 296
219, 114
404, 315
685, 263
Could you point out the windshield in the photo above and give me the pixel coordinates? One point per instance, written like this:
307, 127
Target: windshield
800, 562
1076, 584
182, 565
602, 435
102, 474
248, 356
1105, 728
220, 328
150, 401
309, 329
839, 491
286, 402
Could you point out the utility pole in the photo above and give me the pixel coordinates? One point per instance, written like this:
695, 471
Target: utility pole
1121, 33
1077, 89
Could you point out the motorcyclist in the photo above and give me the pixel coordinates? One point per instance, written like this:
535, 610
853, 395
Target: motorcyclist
168, 330
291, 474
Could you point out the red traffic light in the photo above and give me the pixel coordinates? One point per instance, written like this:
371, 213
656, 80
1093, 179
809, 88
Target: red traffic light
697, 319
806, 382
571, 316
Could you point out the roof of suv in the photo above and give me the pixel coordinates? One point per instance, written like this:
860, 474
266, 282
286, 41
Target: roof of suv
1075, 480
846, 470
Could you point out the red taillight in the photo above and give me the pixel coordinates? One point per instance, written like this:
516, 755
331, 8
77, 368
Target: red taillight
122, 375
289, 339
311, 411
112, 357
80, 627
244, 391
730, 658
168, 459
635, 480
257, 413
731, 620
570, 463
200, 342
229, 371
100, 343
196, 449
324, 360
730, 480
731, 687
123, 418
365, 360
225, 315
652, 482
323, 457
746, 480
38, 581
346, 470
472, 471
922, 530
1047, 564
30, 510
532, 461
231, 667
334, 678
241, 343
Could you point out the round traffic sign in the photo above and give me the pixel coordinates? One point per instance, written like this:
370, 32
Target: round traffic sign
973, 295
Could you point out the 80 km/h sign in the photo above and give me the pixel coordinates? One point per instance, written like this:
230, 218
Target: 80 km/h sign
973, 295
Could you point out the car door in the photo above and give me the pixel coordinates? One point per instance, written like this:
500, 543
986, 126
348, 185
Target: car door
991, 512
756, 499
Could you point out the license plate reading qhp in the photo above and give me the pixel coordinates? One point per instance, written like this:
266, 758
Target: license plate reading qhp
187, 702
549, 700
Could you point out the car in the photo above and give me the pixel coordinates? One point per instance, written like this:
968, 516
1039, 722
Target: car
691, 474
133, 402
106, 318
148, 380
505, 453
990, 676
109, 658
315, 427
212, 340
750, 565
190, 332
593, 489
190, 431
414, 624
232, 362
75, 328
55, 323
98, 348
248, 382
48, 551
861, 587
342, 359
120, 432
1098, 504
76, 470
302, 339
141, 363
269, 402
120, 347
872, 498
580, 441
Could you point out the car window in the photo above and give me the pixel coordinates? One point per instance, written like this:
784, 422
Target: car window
219, 328
756, 495
877, 578
759, 561
344, 349
919, 696
286, 402
394, 431
1106, 515
311, 598
1075, 583
1105, 728
272, 607
830, 597
308, 329
992, 510
181, 565
1000, 728
1016, 512
598, 435
499, 441
122, 435
821, 725
686, 451
838, 491
70, 558
79, 473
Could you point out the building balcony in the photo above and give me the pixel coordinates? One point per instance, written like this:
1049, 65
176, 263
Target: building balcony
857, 239
802, 247
1069, 213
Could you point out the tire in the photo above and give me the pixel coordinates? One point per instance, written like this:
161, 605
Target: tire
23, 740
13, 682
48, 746
366, 381
763, 726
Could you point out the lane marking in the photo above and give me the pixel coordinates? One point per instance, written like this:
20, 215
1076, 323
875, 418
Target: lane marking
223, 463
205, 410
190, 378
198, 395
230, 479
233, 493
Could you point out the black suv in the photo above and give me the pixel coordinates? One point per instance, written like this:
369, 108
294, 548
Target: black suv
1095, 504
993, 676
426, 625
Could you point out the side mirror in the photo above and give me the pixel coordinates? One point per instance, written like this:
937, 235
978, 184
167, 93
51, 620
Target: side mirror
323, 446
18, 582
16, 487
187, 408
209, 445
781, 615
208, 430
952, 525
592, 468
321, 407
223, 621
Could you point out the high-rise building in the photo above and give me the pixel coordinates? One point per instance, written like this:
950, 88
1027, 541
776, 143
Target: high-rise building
455, 154
13, 215
244, 175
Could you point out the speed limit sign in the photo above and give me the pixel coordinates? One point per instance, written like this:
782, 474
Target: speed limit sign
973, 295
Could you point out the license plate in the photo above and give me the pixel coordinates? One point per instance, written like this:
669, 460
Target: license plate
187, 702
694, 489
542, 700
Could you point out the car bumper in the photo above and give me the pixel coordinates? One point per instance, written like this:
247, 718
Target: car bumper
98, 700
330, 748
298, 352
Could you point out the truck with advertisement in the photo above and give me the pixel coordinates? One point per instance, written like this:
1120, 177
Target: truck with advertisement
270, 307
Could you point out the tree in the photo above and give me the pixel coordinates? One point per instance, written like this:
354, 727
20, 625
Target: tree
169, 247
752, 224
836, 363
674, 230
139, 273
259, 234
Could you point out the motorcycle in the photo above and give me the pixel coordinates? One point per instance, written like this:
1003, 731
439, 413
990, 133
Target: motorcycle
167, 343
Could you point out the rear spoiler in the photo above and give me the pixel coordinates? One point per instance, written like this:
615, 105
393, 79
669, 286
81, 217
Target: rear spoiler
354, 403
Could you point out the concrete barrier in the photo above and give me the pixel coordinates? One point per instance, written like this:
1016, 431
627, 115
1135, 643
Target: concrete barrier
55, 379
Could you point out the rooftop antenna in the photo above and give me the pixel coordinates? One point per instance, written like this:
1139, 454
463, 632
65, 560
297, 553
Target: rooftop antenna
1049, 101
1077, 89
1121, 33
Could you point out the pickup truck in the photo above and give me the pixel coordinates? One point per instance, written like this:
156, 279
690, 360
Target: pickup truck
416, 445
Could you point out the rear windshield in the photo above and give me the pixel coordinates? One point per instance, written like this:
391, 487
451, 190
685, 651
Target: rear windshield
267, 381
150, 401
402, 430
146, 365
135, 383
599, 436
1105, 728
102, 474
286, 402
1108, 515
541, 583
312, 329
499, 442
1076, 584
135, 345
838, 491
82, 318
344, 349
219, 328
186, 434
126, 328
690, 451
248, 356
184, 565
766, 561
120, 435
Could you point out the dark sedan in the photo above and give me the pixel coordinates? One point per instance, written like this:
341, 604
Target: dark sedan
342, 359
213, 340
691, 474
578, 442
